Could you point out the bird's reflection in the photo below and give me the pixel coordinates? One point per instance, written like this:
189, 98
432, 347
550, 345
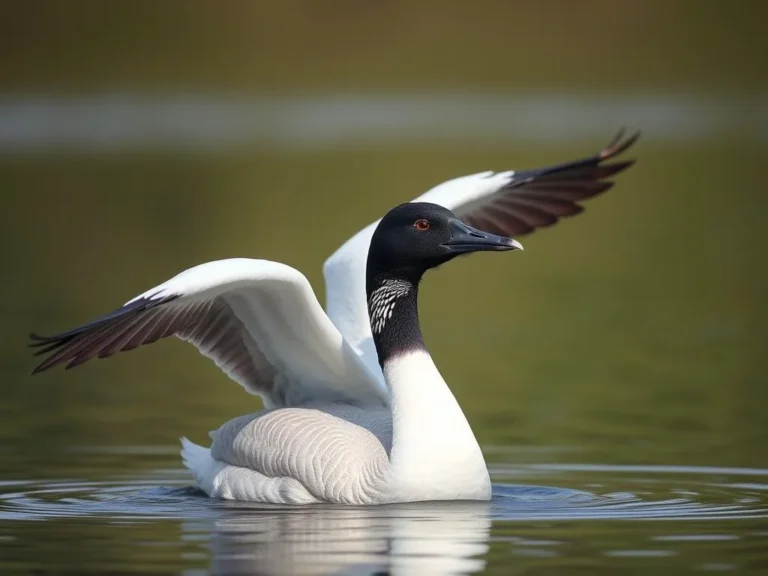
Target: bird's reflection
419, 539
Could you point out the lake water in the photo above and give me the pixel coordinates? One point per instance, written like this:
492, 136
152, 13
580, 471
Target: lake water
614, 372
587, 517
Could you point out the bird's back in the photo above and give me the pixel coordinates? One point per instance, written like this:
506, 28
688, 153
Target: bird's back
338, 452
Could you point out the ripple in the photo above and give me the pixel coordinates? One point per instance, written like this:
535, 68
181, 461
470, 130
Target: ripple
679, 493
419, 538
676, 493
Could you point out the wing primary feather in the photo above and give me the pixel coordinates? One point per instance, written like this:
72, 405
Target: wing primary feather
538, 198
122, 335
614, 148
617, 138
551, 204
137, 305
585, 173
140, 337
73, 347
85, 334
118, 344
533, 214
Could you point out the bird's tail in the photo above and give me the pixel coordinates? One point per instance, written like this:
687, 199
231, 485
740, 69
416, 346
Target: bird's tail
200, 462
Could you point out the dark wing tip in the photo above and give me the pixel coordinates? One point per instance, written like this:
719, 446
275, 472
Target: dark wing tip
619, 144
49, 344
586, 169
537, 198
40, 340
604, 171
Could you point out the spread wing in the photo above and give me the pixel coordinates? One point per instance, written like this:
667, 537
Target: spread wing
259, 321
512, 203
517, 203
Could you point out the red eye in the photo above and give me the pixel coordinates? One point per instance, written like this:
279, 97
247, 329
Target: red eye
421, 225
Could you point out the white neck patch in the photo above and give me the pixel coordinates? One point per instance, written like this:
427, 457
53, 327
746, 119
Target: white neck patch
382, 302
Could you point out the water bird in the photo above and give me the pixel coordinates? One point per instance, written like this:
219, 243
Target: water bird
355, 410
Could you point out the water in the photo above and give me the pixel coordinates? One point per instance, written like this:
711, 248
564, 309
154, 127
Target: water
665, 518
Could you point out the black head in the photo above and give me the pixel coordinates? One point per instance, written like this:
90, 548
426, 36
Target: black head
409, 240
417, 236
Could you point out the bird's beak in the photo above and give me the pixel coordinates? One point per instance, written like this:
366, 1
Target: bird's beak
466, 239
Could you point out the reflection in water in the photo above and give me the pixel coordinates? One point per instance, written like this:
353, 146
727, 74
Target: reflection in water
427, 538
698, 517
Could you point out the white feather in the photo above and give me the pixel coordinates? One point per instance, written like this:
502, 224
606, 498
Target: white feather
294, 353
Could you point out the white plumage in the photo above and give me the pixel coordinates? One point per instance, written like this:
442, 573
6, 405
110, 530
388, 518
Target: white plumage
331, 430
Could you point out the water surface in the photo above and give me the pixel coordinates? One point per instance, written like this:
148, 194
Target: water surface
661, 518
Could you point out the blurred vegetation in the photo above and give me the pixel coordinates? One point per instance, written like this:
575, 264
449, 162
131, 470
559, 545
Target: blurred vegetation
343, 44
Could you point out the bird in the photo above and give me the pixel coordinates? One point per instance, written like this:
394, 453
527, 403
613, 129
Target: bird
352, 414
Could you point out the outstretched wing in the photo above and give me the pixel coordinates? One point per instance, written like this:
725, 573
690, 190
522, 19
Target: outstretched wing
259, 321
511, 203
517, 203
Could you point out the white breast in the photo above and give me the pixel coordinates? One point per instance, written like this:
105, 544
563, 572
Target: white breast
434, 452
